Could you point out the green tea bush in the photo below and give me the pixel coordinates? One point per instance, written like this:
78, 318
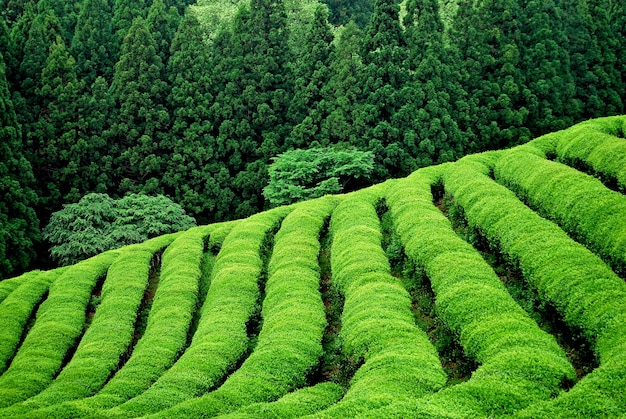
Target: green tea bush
289, 343
17, 309
59, 324
399, 362
221, 338
599, 145
111, 331
7, 286
579, 203
589, 296
520, 364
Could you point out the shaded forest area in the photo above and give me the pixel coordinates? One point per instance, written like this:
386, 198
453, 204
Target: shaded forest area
130, 96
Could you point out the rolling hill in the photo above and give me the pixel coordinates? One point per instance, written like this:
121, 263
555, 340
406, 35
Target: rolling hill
490, 286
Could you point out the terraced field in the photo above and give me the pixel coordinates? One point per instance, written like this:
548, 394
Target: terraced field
492, 286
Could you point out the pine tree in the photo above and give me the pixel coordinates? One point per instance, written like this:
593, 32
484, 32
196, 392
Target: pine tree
141, 116
19, 226
124, 14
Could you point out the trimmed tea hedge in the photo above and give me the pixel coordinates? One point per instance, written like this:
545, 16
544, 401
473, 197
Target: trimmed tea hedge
399, 362
59, 324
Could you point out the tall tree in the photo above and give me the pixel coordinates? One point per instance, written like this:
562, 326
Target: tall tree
19, 226
141, 117
433, 98
383, 52
92, 44
546, 67
311, 74
163, 22
192, 175
66, 13
486, 37
124, 14
55, 153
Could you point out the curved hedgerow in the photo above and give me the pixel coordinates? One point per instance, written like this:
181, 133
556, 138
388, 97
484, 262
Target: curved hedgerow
60, 322
399, 362
302, 402
7, 286
111, 331
579, 203
221, 338
583, 289
598, 144
17, 309
289, 343
520, 363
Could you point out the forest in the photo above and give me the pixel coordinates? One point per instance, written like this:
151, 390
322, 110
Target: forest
166, 97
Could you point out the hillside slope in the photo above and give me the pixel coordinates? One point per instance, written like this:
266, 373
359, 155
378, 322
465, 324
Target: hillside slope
486, 287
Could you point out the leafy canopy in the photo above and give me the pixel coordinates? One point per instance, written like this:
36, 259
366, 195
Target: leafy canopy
98, 223
298, 175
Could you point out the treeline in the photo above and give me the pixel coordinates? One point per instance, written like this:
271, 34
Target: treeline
118, 96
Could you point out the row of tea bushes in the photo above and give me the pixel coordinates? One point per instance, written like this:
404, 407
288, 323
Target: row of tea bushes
579, 203
378, 328
520, 363
17, 309
7, 286
598, 144
221, 338
585, 291
293, 321
60, 322
111, 330
302, 402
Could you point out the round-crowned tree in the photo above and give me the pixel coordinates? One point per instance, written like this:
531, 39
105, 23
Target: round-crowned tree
98, 223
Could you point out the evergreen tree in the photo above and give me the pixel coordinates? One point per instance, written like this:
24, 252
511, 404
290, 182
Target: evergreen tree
311, 75
545, 65
383, 52
19, 226
163, 22
252, 90
52, 137
141, 116
193, 170
124, 14
344, 11
66, 13
486, 37
341, 105
433, 98
92, 42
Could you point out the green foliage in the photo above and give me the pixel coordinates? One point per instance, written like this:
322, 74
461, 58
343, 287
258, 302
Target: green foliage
300, 175
587, 294
220, 338
60, 323
377, 324
289, 343
97, 223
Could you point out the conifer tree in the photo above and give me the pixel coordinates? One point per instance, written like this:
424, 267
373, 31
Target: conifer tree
192, 166
65, 11
163, 22
124, 14
341, 105
383, 52
433, 97
92, 44
310, 77
141, 116
19, 226
52, 137
546, 66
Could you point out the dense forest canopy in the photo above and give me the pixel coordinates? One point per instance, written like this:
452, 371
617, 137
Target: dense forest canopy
168, 97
